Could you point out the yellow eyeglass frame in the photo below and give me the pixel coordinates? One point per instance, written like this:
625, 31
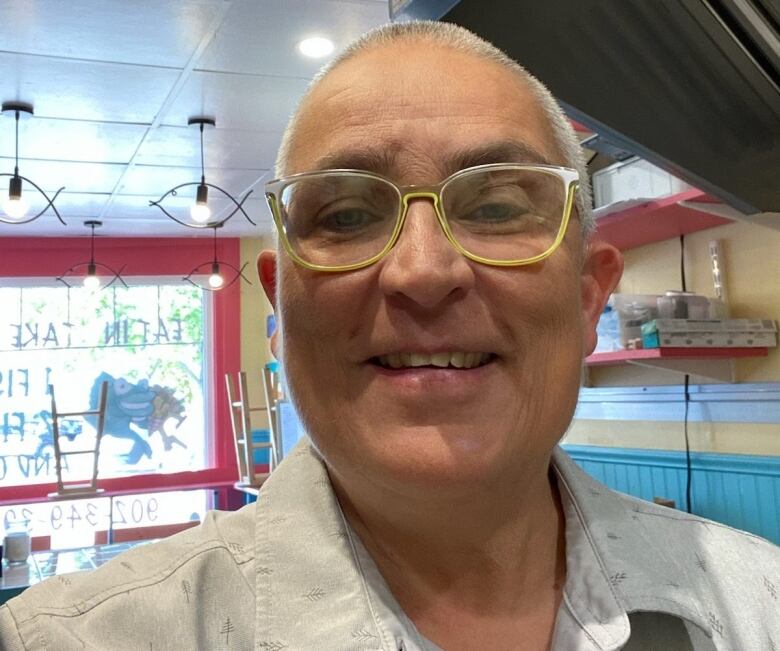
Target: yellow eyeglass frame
568, 176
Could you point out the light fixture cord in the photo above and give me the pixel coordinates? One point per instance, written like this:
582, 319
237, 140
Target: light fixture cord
215, 244
202, 166
92, 246
16, 162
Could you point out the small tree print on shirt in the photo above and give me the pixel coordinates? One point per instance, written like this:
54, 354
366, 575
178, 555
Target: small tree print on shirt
186, 588
227, 629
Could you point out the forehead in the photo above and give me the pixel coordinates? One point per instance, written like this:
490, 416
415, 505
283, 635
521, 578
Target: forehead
417, 108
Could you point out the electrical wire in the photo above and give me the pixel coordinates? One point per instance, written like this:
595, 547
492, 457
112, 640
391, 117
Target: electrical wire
16, 160
92, 245
688, 474
687, 397
202, 165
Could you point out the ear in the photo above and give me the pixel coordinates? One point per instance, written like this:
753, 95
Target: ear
601, 271
266, 270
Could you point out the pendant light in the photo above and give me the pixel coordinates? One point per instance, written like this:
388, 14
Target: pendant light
221, 274
15, 207
200, 213
88, 271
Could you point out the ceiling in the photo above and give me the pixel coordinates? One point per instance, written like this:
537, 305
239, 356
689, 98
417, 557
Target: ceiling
113, 84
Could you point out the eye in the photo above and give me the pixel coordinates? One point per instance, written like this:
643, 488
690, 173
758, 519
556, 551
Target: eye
347, 220
494, 212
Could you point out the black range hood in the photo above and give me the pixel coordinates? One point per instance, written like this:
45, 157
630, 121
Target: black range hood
691, 85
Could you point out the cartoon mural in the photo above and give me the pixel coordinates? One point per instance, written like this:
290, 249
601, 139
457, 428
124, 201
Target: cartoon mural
132, 407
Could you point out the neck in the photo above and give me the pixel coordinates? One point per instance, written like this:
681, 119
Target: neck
497, 554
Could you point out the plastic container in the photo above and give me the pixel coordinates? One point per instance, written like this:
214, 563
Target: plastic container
17, 542
634, 310
633, 179
683, 305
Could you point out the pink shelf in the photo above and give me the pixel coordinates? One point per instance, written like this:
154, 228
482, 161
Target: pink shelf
657, 220
646, 354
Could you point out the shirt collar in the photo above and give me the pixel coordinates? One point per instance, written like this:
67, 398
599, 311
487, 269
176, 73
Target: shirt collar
311, 592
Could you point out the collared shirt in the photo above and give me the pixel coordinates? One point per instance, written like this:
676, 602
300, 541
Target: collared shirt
289, 573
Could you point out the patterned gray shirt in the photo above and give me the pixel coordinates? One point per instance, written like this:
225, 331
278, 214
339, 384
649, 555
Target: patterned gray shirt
288, 573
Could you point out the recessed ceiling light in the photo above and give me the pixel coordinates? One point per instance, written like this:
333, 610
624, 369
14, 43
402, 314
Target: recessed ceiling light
316, 47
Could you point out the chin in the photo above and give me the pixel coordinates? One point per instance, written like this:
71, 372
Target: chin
414, 458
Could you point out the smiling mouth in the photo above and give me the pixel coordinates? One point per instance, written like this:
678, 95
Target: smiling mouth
457, 359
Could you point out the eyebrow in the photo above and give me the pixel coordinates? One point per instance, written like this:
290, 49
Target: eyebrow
505, 151
384, 161
381, 161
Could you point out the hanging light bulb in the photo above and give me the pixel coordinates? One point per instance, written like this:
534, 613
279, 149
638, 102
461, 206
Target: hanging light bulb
201, 215
200, 211
14, 209
91, 280
218, 279
15, 206
215, 279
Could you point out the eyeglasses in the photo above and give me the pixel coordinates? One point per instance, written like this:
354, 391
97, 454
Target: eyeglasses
499, 214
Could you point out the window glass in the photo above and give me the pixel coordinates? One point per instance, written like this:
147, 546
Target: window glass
73, 523
146, 341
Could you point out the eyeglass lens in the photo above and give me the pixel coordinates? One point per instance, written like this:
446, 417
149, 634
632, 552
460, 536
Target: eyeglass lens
336, 219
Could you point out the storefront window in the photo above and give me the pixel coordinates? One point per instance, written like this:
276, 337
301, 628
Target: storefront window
73, 523
147, 341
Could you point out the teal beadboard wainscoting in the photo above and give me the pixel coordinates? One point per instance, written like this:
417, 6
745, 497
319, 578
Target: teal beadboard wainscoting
742, 491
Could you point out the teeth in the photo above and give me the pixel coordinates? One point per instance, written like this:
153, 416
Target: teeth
441, 360
394, 361
457, 359
420, 360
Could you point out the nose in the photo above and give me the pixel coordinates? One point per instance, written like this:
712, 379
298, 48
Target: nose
423, 267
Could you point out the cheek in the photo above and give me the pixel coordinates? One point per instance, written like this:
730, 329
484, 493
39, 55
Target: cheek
320, 315
547, 329
542, 307
323, 311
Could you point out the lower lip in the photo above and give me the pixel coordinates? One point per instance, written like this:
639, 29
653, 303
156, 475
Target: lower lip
432, 379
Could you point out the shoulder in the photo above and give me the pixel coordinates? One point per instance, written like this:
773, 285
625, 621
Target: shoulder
724, 580
682, 535
615, 516
153, 591
660, 559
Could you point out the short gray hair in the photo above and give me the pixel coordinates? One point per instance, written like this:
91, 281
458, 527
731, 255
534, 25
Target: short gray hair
459, 38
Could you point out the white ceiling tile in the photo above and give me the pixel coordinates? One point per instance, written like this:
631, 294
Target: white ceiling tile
75, 177
241, 102
78, 206
230, 148
262, 37
147, 32
84, 90
97, 142
156, 180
